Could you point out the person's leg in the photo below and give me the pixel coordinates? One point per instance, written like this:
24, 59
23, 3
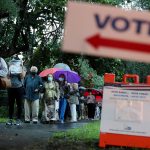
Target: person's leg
52, 110
35, 110
27, 110
63, 104
73, 112
56, 109
67, 115
78, 111
89, 111
82, 110
11, 102
46, 113
60, 105
92, 111
19, 102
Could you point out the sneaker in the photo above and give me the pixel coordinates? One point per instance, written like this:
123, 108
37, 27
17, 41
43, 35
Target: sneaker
35, 122
62, 121
26, 121
53, 119
73, 121
18, 122
10, 122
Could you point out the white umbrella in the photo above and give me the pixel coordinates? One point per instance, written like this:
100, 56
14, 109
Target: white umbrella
62, 66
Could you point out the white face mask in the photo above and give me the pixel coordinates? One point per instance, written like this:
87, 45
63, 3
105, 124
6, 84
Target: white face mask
50, 79
61, 79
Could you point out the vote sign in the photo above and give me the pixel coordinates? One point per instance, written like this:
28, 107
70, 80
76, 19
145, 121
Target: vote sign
107, 31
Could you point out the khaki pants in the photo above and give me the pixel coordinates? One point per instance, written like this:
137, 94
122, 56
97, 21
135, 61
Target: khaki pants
31, 107
73, 112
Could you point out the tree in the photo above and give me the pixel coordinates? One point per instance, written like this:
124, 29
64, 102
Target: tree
35, 27
7, 8
37, 21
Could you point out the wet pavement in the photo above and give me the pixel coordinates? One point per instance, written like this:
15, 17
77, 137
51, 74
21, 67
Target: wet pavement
14, 137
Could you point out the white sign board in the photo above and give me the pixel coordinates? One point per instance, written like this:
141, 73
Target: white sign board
107, 31
125, 111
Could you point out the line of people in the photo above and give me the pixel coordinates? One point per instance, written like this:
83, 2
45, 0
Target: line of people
57, 99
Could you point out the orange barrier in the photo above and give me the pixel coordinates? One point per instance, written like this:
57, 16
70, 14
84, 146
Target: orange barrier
115, 139
109, 78
131, 76
148, 79
123, 140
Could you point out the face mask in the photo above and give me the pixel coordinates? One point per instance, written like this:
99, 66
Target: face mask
50, 78
33, 73
61, 79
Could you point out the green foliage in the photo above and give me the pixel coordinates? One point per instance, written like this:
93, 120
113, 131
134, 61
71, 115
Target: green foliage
3, 120
141, 69
3, 112
89, 75
46, 56
8, 6
39, 28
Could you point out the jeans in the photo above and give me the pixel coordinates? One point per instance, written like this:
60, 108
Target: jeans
62, 108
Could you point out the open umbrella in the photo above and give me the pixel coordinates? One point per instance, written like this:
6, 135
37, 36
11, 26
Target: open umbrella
45, 72
71, 76
62, 66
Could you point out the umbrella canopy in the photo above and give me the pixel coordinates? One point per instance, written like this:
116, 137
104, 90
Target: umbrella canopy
96, 92
45, 72
62, 66
71, 76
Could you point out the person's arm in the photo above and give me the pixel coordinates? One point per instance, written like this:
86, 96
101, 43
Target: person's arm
25, 82
40, 85
73, 92
94, 99
57, 90
4, 68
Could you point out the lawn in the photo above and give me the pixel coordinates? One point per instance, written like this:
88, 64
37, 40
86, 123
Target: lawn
88, 132
3, 120
83, 138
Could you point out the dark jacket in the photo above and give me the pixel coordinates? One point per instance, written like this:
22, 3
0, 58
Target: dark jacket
32, 84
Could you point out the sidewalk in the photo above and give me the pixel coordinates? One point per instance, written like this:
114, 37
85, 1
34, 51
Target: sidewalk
28, 135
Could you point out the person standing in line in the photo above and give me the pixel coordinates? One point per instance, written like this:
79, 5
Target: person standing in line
3, 72
64, 89
3, 68
73, 101
82, 101
91, 105
32, 83
15, 92
51, 100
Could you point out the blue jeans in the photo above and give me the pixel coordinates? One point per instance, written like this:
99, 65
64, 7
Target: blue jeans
62, 108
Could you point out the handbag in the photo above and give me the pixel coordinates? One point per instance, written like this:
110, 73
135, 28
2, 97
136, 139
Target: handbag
5, 82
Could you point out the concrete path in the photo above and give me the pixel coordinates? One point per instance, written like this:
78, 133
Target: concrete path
14, 138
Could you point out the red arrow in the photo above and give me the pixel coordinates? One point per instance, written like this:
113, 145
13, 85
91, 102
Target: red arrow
96, 41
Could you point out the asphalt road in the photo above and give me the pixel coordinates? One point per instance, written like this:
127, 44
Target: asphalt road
25, 137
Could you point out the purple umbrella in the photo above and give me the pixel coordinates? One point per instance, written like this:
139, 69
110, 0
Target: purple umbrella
71, 76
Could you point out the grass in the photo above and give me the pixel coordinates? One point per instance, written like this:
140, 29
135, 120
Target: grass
88, 132
3, 120
85, 138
